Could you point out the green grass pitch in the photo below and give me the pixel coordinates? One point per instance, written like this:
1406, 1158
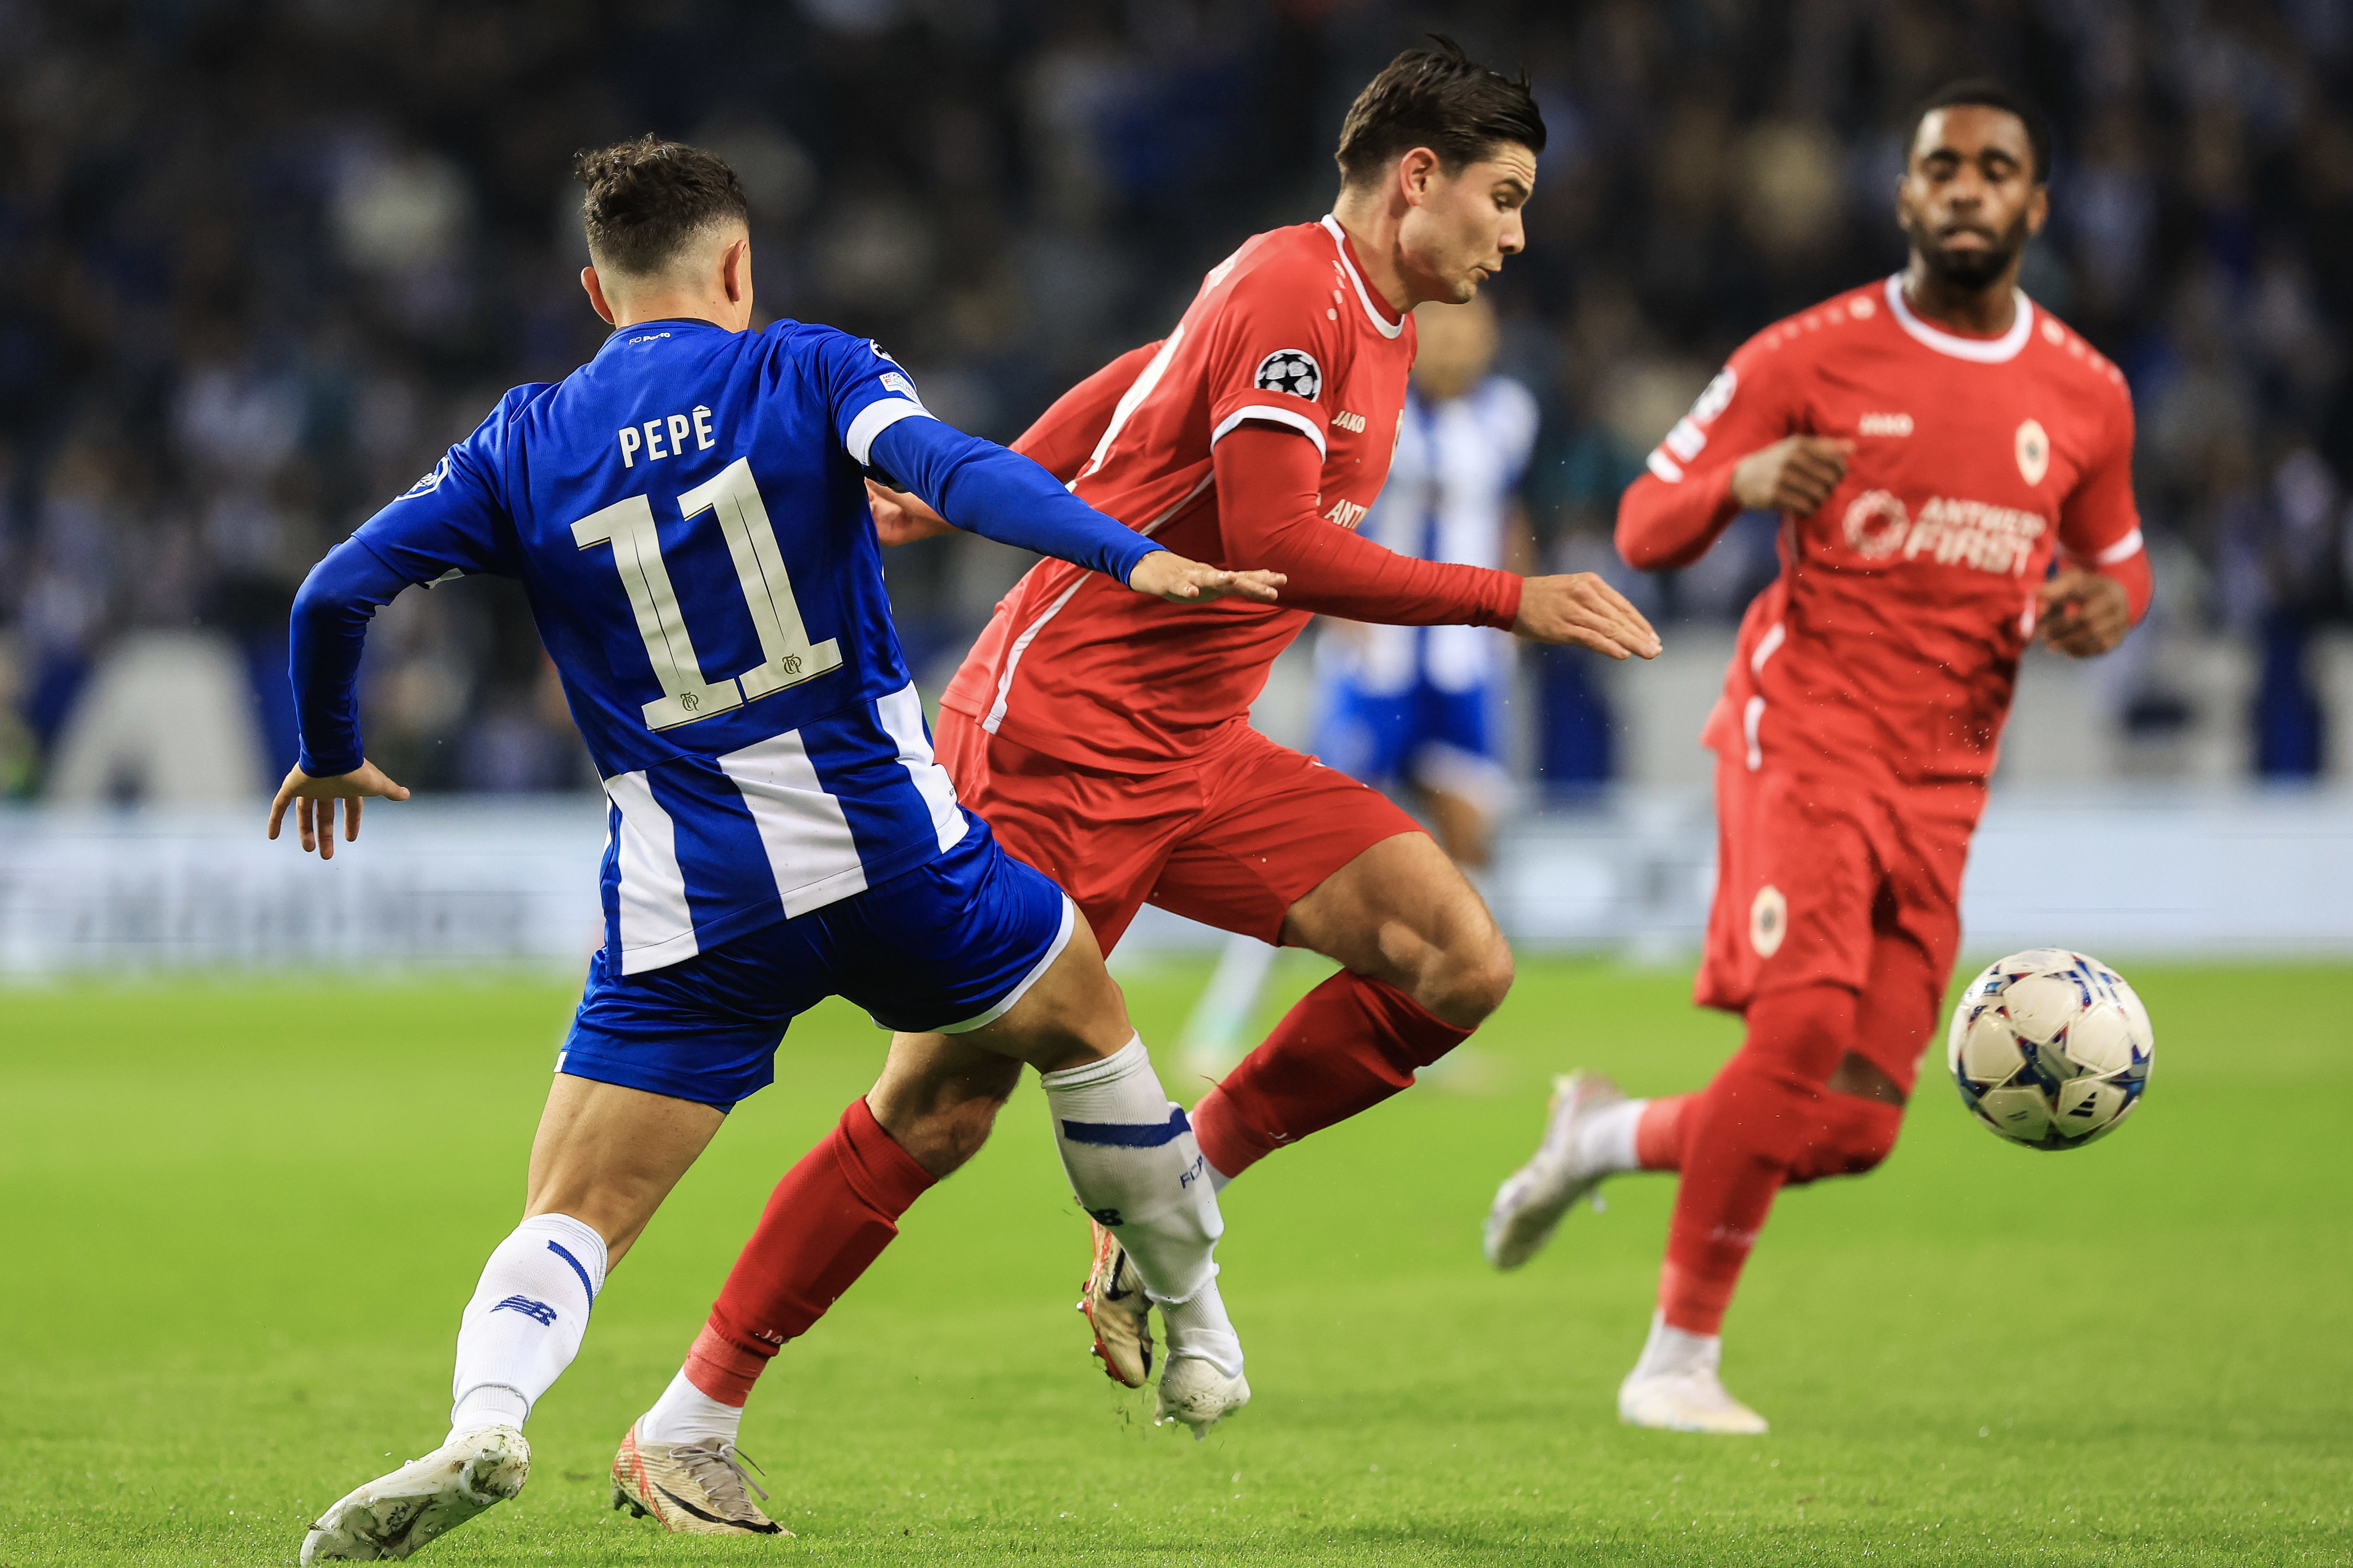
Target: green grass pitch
240, 1218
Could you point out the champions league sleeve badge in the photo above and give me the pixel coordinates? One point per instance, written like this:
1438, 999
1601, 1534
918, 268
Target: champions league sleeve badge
1294, 370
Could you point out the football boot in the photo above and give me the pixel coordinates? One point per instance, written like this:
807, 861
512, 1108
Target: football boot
393, 1515
690, 1488
1532, 1200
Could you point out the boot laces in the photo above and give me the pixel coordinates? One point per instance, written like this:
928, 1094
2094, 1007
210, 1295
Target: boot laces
718, 1466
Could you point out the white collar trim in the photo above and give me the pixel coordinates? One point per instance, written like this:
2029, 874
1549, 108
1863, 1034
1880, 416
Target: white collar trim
1983, 351
1381, 324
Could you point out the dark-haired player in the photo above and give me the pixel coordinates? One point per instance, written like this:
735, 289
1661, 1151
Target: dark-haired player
688, 516
1953, 470
1115, 753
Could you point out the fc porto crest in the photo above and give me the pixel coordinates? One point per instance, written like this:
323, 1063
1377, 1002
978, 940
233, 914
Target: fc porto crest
2033, 452
1294, 370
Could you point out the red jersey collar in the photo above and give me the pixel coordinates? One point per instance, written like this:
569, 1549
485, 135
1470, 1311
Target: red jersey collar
1381, 324
1983, 351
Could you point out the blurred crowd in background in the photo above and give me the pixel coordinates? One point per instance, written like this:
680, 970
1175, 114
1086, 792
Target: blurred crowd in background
259, 262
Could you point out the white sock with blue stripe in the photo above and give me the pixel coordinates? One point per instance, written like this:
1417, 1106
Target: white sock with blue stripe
525, 1323
1129, 1152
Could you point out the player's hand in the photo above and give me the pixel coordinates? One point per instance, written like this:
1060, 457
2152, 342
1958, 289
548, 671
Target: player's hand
1166, 575
314, 805
1580, 609
2083, 613
1795, 474
902, 519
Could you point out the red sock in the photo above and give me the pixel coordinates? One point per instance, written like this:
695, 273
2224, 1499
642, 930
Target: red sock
1659, 1132
831, 1215
1741, 1136
1349, 1044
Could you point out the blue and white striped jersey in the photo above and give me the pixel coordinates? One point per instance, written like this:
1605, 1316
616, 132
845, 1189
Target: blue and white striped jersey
687, 514
1451, 484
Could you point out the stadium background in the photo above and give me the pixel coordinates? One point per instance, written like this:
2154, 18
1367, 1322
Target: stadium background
259, 263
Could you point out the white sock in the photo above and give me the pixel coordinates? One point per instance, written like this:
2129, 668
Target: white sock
1218, 1180
524, 1325
685, 1414
1201, 1328
1606, 1140
1129, 1152
1671, 1351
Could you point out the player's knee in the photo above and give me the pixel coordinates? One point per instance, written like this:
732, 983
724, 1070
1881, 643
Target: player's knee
1473, 976
1853, 1135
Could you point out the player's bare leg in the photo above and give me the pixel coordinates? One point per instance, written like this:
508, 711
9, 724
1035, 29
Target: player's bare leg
604, 1159
1126, 1148
1423, 964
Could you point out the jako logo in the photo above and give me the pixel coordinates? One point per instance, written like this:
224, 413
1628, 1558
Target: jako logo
1886, 425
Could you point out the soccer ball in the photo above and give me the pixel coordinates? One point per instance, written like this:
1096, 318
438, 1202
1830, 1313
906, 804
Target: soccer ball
2051, 1048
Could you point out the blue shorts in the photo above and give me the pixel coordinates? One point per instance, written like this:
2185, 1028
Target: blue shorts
1426, 735
946, 947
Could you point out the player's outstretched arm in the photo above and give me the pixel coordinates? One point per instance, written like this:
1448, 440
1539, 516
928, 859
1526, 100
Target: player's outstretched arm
1004, 496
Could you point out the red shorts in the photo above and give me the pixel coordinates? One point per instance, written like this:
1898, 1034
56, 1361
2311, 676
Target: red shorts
1834, 881
1232, 840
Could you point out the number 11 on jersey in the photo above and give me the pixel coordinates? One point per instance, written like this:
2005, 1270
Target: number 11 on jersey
788, 657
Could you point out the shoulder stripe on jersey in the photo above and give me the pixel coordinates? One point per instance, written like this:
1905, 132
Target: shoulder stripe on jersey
902, 716
1291, 416
656, 926
1381, 324
802, 828
1981, 350
875, 418
1666, 467
1030, 633
2124, 548
1005, 1003
1137, 390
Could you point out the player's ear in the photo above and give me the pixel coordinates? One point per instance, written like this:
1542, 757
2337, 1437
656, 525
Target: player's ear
2037, 209
734, 269
1416, 171
589, 281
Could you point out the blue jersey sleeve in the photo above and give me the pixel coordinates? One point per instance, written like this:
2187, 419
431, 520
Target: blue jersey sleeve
980, 486
450, 522
974, 484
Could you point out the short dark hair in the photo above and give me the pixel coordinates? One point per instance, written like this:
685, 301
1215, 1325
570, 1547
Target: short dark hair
1984, 92
1440, 100
648, 197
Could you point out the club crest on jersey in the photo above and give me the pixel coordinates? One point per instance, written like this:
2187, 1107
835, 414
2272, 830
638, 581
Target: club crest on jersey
1294, 370
1768, 920
2033, 452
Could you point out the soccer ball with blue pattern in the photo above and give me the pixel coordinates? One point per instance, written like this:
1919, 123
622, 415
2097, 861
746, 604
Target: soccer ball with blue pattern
2051, 1048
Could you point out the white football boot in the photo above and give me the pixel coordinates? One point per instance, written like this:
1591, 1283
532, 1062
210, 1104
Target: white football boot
1675, 1387
394, 1515
1533, 1199
690, 1488
1120, 1314
1195, 1393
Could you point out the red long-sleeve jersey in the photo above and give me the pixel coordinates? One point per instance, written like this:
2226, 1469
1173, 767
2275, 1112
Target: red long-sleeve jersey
1890, 643
1257, 434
